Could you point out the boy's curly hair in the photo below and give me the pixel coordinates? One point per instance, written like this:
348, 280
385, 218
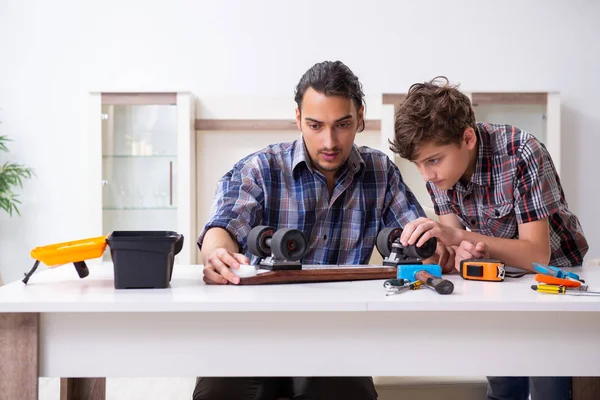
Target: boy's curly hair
432, 112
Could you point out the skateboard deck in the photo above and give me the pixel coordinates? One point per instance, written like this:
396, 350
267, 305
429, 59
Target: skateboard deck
321, 273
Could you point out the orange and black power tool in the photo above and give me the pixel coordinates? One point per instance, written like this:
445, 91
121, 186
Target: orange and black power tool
482, 269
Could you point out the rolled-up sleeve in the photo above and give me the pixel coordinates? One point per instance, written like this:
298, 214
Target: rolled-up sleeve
237, 205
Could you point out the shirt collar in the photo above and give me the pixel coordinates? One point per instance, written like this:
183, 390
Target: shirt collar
354, 163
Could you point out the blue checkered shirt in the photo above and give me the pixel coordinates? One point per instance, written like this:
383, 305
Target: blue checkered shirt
278, 187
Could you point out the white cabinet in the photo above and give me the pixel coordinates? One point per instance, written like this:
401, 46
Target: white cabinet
142, 151
537, 113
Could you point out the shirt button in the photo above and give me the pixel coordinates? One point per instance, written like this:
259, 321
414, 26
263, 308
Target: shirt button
496, 213
473, 222
324, 237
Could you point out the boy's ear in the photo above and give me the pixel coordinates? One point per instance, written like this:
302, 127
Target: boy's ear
298, 119
469, 138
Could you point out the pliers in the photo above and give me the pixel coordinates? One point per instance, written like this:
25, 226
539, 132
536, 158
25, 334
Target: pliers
555, 272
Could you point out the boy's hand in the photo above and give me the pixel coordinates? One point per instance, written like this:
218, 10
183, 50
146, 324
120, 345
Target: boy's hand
468, 250
444, 257
428, 228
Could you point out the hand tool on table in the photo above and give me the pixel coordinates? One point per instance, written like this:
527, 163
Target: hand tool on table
430, 275
553, 289
395, 283
75, 252
555, 272
482, 270
392, 290
570, 283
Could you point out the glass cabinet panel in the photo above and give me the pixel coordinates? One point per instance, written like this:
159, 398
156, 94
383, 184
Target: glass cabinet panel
528, 117
139, 174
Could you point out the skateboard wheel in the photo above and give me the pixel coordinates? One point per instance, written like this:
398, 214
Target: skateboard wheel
385, 238
288, 244
257, 240
423, 252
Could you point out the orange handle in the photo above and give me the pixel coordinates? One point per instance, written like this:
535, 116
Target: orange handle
551, 280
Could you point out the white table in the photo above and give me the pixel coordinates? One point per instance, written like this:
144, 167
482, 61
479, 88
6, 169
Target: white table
89, 329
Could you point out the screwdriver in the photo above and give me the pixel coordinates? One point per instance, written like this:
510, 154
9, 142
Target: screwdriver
570, 283
552, 289
400, 289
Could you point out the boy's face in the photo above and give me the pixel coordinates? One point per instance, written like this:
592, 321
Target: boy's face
444, 165
328, 125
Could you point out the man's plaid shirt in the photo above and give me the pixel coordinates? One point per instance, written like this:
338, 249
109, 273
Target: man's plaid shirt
278, 187
514, 182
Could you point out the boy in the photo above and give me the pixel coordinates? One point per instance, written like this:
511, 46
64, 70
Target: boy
496, 180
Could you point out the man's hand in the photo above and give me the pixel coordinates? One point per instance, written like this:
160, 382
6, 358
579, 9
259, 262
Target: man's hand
218, 264
468, 250
422, 229
444, 256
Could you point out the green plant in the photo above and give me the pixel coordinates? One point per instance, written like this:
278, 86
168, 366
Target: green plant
11, 176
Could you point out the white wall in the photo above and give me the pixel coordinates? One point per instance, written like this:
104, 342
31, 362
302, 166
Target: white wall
52, 53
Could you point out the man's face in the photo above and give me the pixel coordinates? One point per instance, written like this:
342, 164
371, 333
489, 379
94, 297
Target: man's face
328, 125
444, 165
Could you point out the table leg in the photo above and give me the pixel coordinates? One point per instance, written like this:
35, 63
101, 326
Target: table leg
83, 389
586, 388
19, 355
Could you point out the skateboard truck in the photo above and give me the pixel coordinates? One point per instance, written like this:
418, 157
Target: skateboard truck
280, 250
389, 246
409, 260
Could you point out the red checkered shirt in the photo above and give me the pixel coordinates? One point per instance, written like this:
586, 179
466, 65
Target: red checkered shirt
514, 182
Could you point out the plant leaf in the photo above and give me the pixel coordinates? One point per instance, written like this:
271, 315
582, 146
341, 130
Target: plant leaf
11, 176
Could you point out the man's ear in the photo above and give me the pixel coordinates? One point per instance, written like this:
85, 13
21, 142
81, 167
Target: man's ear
361, 116
470, 138
298, 119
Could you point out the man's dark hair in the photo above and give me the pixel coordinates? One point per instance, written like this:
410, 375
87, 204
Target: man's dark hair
432, 112
331, 78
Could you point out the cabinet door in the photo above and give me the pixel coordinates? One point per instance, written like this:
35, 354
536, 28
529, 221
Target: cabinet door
536, 113
139, 167
528, 117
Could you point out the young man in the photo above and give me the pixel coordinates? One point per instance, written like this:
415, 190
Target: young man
499, 182
338, 194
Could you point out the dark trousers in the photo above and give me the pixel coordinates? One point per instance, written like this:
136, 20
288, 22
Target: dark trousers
519, 387
317, 388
